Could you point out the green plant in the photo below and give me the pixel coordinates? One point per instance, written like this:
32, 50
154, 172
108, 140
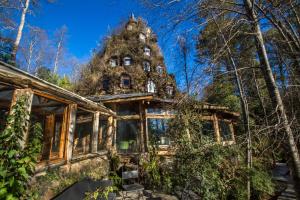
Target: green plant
212, 170
100, 192
17, 164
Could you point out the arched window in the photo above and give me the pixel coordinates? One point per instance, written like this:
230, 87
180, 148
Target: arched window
159, 69
147, 51
170, 90
125, 81
127, 61
147, 67
151, 87
142, 37
113, 61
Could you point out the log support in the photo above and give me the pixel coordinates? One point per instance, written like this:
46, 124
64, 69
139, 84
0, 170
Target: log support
94, 137
217, 129
71, 124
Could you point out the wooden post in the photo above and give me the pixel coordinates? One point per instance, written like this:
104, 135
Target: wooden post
28, 93
217, 129
71, 124
232, 131
94, 136
48, 136
100, 135
109, 138
142, 129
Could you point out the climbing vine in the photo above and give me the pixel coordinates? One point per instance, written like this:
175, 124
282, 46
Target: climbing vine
17, 163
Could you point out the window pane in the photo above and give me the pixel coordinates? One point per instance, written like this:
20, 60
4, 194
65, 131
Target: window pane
127, 136
102, 134
225, 130
157, 129
208, 129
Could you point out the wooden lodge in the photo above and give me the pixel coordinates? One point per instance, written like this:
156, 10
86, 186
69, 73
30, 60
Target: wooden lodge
76, 128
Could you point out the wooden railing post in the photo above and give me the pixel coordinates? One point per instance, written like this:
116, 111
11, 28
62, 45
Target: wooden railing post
28, 94
94, 137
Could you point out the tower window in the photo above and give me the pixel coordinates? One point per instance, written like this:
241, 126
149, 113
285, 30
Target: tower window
151, 86
125, 81
142, 37
147, 67
113, 62
159, 69
127, 61
147, 51
129, 27
105, 84
170, 90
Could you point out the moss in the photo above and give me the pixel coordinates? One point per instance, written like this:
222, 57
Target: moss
120, 44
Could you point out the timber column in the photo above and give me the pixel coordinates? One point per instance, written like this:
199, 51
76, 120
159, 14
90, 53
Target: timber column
28, 95
217, 129
110, 133
70, 127
94, 142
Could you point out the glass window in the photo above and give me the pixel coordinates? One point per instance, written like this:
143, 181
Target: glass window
147, 51
151, 86
157, 129
208, 128
102, 134
105, 84
142, 37
127, 136
159, 69
225, 130
127, 61
125, 81
169, 90
82, 137
147, 67
113, 62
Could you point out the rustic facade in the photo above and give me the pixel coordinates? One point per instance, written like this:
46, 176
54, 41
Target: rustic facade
70, 122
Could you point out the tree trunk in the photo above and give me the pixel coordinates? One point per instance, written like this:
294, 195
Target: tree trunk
274, 93
244, 106
20, 30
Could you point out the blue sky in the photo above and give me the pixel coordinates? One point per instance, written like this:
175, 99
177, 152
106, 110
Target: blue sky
90, 20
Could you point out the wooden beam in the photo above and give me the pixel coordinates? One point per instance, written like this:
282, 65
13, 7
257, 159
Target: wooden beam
28, 94
94, 137
128, 99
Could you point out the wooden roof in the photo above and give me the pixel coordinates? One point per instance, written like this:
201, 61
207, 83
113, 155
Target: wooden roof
12, 76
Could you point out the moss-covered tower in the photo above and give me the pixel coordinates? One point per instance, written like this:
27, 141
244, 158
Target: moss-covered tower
131, 62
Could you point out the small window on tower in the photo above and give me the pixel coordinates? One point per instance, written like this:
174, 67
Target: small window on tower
113, 62
142, 37
127, 61
151, 86
105, 84
147, 51
147, 67
159, 69
129, 27
125, 81
170, 90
